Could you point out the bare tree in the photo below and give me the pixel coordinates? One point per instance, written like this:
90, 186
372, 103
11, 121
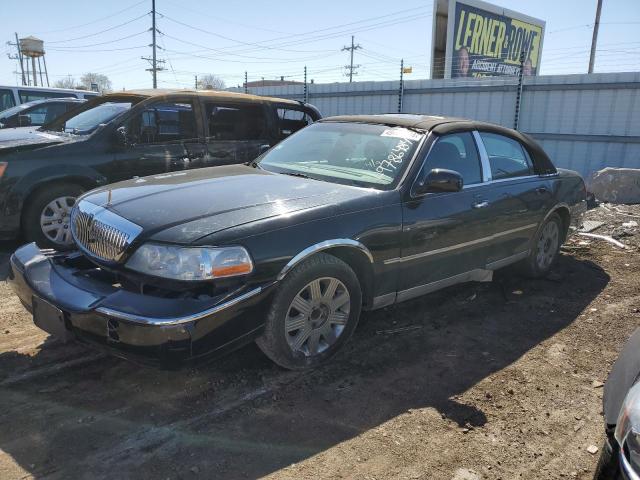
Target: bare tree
66, 82
211, 82
103, 82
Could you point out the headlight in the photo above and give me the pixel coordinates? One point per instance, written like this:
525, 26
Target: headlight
628, 427
190, 263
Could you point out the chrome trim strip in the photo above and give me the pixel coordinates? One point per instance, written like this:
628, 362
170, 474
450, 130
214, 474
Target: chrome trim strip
383, 300
459, 245
626, 466
503, 262
512, 179
484, 157
477, 275
132, 317
318, 247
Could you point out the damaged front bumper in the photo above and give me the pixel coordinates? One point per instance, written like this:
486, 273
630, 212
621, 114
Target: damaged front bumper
69, 303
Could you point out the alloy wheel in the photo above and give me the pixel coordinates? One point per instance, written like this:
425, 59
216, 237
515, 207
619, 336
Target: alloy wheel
317, 316
547, 245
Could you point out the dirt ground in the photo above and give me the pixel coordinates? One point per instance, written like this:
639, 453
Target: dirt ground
492, 381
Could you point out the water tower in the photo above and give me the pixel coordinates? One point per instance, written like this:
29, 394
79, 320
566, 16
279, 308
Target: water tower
32, 48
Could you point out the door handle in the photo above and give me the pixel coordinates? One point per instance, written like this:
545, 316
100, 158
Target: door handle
482, 204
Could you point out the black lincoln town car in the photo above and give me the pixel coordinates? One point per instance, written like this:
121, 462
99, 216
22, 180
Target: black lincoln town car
350, 213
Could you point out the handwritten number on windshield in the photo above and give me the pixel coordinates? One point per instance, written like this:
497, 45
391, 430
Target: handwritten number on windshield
395, 158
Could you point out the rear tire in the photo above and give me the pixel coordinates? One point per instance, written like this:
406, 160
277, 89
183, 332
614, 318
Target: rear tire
545, 248
46, 217
314, 312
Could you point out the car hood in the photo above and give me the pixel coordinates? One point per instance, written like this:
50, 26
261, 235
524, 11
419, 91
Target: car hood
29, 138
188, 205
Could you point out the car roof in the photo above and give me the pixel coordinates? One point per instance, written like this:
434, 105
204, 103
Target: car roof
57, 99
214, 94
409, 120
443, 125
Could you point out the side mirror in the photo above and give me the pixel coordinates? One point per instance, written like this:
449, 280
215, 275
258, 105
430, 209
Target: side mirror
120, 136
440, 180
24, 120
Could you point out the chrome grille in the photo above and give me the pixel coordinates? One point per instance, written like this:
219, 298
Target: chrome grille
100, 232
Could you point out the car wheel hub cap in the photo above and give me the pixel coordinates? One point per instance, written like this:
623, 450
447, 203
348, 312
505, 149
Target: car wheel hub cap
547, 245
54, 220
317, 316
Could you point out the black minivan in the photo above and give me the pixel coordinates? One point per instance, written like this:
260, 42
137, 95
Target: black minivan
129, 134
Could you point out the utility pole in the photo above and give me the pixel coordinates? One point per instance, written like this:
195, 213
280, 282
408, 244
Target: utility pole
351, 67
153, 35
154, 60
18, 57
246, 81
196, 83
594, 39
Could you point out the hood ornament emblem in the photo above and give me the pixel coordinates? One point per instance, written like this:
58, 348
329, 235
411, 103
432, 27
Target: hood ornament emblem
109, 198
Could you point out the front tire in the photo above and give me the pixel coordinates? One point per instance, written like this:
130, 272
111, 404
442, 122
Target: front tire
314, 312
545, 248
46, 217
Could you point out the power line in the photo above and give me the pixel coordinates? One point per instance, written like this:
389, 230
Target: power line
72, 47
94, 21
101, 31
264, 44
98, 50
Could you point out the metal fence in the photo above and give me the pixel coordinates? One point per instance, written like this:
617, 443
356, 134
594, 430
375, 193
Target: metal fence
584, 122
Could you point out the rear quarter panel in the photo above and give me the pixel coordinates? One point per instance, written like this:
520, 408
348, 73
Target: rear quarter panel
569, 190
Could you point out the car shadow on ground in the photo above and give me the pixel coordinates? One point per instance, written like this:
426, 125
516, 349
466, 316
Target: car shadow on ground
242, 417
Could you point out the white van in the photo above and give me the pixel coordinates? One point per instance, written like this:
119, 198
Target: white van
12, 96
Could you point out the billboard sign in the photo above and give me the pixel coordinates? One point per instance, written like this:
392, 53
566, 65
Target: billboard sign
484, 40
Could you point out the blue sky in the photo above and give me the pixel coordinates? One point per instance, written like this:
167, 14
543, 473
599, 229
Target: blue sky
269, 39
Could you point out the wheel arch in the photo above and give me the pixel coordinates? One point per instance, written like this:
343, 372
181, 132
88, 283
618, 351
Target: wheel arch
563, 211
352, 252
82, 181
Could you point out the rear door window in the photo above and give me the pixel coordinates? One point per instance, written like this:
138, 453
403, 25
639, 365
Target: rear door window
163, 123
235, 122
291, 120
507, 157
6, 99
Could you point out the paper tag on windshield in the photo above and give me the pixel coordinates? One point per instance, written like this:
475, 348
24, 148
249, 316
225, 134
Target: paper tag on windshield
401, 133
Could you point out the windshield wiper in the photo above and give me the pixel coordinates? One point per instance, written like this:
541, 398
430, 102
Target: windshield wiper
296, 174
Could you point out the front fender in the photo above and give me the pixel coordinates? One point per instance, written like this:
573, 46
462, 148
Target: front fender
34, 179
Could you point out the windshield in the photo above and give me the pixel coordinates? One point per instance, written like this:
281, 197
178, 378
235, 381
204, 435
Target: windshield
351, 153
87, 121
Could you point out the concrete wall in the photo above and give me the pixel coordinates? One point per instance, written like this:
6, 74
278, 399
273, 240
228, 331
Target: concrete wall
584, 122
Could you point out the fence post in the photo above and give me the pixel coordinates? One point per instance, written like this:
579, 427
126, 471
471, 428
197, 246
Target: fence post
516, 120
306, 88
401, 89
